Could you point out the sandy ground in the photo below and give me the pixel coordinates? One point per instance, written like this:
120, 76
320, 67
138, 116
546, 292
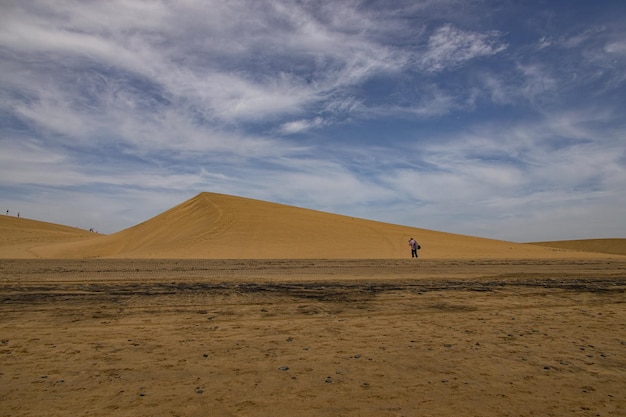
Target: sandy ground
609, 246
313, 338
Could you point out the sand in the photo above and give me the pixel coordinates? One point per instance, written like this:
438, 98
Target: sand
18, 236
313, 337
613, 246
218, 226
224, 306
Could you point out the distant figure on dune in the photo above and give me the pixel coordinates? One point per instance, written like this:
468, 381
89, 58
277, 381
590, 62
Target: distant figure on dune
414, 247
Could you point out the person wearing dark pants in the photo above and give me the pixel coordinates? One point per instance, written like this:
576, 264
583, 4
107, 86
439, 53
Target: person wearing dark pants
414, 247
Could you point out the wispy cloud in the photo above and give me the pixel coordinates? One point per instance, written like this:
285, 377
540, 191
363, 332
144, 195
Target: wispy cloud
449, 47
301, 125
440, 114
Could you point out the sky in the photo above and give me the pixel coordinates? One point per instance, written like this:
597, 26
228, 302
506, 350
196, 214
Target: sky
499, 119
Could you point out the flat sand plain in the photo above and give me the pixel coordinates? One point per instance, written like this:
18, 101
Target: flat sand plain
543, 337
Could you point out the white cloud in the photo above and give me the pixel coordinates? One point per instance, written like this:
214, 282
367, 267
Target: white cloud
297, 126
167, 99
538, 81
434, 102
545, 42
25, 161
449, 47
230, 97
321, 185
209, 67
616, 47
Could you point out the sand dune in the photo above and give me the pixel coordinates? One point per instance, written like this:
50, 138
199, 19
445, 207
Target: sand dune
609, 246
18, 236
306, 337
217, 226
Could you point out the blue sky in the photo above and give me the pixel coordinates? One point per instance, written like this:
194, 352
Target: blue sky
501, 119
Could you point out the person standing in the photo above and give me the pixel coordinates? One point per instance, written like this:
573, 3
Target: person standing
414, 247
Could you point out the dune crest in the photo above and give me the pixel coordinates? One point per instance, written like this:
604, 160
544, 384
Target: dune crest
218, 226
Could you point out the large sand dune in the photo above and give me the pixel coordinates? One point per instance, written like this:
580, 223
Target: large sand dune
217, 226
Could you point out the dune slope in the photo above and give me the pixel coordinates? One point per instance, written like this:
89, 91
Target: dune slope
18, 236
217, 226
609, 246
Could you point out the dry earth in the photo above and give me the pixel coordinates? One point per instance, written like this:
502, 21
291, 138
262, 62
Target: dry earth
313, 337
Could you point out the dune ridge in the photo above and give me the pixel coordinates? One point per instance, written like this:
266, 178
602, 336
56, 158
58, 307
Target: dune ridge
219, 226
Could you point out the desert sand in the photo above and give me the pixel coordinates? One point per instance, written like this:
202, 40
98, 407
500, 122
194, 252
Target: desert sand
145, 330
218, 226
610, 246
